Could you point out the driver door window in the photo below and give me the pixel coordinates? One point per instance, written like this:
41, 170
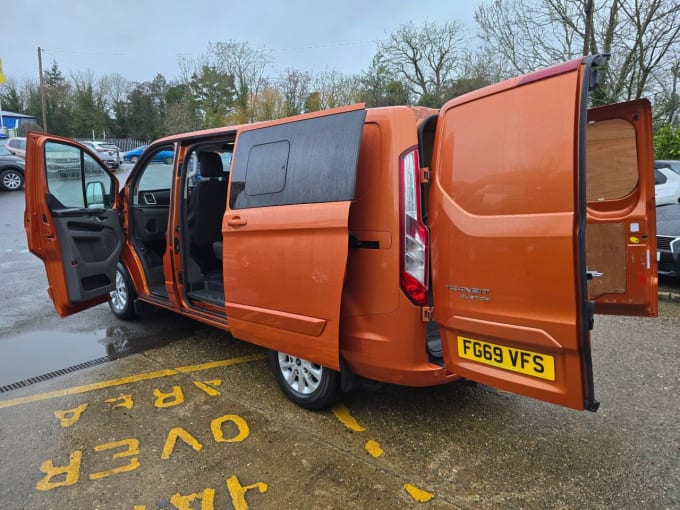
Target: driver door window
71, 171
154, 183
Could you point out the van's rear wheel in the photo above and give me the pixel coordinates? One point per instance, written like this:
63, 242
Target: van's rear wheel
308, 384
122, 298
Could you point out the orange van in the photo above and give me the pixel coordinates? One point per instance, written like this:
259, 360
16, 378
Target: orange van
401, 244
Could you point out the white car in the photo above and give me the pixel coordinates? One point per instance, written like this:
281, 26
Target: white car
666, 185
673, 164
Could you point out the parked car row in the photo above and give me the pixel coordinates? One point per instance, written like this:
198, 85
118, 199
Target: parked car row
109, 153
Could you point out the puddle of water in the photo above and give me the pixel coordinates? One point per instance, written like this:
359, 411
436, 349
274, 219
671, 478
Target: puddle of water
39, 352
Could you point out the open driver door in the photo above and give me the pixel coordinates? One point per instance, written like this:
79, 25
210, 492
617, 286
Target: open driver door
530, 233
71, 221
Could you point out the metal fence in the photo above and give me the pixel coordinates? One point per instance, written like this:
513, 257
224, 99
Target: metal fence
124, 144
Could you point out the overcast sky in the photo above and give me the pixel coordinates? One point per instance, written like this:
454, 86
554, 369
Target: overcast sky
141, 38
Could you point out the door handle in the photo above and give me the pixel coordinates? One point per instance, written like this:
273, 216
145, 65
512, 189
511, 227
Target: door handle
593, 274
237, 221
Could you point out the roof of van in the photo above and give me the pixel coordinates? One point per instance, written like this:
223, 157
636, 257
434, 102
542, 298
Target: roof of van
420, 112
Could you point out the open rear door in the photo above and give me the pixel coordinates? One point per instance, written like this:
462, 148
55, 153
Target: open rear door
286, 232
71, 221
508, 219
621, 231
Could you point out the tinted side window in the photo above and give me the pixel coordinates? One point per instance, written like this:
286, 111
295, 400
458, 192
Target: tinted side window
267, 167
69, 171
307, 161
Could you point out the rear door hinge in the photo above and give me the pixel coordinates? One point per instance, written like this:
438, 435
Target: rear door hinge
425, 175
426, 313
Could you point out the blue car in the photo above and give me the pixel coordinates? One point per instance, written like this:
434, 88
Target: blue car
162, 156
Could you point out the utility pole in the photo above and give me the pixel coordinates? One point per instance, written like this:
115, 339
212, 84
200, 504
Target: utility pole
42, 90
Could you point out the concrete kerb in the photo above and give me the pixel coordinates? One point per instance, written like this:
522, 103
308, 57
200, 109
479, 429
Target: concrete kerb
671, 297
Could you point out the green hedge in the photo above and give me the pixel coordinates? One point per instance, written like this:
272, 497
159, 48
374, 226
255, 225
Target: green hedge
667, 143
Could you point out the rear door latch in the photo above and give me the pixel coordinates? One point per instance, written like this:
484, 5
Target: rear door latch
426, 313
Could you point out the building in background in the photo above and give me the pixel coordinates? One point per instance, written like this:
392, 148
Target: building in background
10, 123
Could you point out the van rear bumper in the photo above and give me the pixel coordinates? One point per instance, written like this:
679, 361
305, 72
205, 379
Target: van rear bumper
392, 360
420, 375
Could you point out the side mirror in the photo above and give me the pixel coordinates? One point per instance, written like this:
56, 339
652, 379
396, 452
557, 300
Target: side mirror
94, 194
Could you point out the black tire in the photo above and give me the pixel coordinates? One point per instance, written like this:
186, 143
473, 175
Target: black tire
122, 302
11, 179
307, 384
134, 159
169, 160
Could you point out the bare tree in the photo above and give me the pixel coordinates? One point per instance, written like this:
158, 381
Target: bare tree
115, 88
379, 87
294, 87
269, 104
336, 89
667, 101
331, 89
248, 66
426, 58
641, 36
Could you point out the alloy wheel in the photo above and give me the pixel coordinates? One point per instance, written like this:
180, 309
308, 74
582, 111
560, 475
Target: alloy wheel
119, 296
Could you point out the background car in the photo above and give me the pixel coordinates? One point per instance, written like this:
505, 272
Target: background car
134, 155
107, 152
666, 185
11, 170
668, 239
17, 146
673, 164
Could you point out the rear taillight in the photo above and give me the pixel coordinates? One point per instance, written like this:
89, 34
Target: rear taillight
415, 237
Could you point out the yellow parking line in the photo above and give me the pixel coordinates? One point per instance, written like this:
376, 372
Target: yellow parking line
129, 379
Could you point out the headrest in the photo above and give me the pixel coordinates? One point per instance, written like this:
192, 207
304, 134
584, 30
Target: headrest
210, 164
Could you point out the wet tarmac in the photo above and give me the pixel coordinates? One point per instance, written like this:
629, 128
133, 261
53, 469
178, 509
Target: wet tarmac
36, 355
199, 423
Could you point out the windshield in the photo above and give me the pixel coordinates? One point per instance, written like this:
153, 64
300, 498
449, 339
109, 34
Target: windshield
4, 151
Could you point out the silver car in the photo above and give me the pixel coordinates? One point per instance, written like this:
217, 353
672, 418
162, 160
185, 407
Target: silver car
107, 152
17, 146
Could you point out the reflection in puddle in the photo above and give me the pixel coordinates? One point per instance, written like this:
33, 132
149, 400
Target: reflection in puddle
116, 340
39, 352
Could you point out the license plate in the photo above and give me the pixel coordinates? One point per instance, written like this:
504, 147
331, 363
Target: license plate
508, 358
658, 256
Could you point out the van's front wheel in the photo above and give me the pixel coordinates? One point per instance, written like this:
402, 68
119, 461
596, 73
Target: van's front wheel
309, 385
122, 298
